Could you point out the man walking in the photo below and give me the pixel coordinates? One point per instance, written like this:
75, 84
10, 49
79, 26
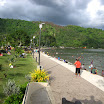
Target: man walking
78, 65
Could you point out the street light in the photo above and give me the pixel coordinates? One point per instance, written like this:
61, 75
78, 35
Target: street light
40, 26
33, 45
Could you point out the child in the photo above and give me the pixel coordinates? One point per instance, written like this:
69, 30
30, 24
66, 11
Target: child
94, 70
83, 67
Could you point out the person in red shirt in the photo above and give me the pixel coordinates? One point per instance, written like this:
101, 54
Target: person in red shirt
78, 65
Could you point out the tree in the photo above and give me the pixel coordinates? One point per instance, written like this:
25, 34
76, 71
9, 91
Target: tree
19, 37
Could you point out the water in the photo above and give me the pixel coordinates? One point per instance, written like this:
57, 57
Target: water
85, 55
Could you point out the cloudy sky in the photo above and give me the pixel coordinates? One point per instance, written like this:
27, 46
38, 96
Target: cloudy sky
86, 13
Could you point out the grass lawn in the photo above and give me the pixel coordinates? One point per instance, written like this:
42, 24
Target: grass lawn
23, 67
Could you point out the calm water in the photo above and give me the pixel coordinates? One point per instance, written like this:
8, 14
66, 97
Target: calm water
85, 55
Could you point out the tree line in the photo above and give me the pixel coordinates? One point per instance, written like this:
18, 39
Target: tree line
21, 32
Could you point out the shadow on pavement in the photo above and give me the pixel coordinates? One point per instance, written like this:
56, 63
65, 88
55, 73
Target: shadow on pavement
78, 101
64, 101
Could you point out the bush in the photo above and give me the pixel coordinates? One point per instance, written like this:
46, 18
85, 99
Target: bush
39, 76
11, 88
16, 98
19, 50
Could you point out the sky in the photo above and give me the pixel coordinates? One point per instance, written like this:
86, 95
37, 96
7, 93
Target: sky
84, 13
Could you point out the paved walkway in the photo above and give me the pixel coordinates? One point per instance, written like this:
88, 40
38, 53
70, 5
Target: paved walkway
64, 84
38, 93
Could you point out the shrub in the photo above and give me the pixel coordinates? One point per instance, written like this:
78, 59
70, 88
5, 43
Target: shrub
39, 76
16, 98
11, 88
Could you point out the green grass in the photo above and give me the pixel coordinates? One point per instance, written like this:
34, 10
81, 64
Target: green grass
23, 67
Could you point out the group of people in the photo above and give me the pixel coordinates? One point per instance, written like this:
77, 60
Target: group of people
1, 54
79, 66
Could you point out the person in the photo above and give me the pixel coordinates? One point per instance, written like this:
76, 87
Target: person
91, 70
58, 58
94, 70
78, 65
91, 66
83, 67
92, 62
103, 73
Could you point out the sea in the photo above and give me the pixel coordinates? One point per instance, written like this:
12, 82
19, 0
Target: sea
86, 56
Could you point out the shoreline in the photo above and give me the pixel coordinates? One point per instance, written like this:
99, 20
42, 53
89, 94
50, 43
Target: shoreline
85, 57
96, 80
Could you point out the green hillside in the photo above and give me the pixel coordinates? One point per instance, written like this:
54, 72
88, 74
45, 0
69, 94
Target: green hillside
19, 32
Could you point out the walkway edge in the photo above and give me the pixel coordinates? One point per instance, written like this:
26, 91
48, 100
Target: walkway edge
96, 80
34, 86
50, 94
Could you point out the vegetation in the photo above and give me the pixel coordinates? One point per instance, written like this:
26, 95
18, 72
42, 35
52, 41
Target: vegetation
19, 32
39, 76
22, 68
11, 88
16, 98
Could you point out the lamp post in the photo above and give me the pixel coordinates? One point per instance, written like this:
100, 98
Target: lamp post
33, 45
40, 26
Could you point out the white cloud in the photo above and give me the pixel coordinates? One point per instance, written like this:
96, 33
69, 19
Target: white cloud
2, 2
94, 7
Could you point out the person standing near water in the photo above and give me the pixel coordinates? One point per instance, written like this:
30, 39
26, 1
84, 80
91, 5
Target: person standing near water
78, 65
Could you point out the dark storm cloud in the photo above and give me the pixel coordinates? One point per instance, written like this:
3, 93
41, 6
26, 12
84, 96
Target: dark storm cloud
61, 12
49, 3
62, 3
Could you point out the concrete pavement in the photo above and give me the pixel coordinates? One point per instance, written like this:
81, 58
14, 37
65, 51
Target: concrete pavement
38, 93
64, 84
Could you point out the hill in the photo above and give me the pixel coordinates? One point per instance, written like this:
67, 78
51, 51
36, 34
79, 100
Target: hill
19, 32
